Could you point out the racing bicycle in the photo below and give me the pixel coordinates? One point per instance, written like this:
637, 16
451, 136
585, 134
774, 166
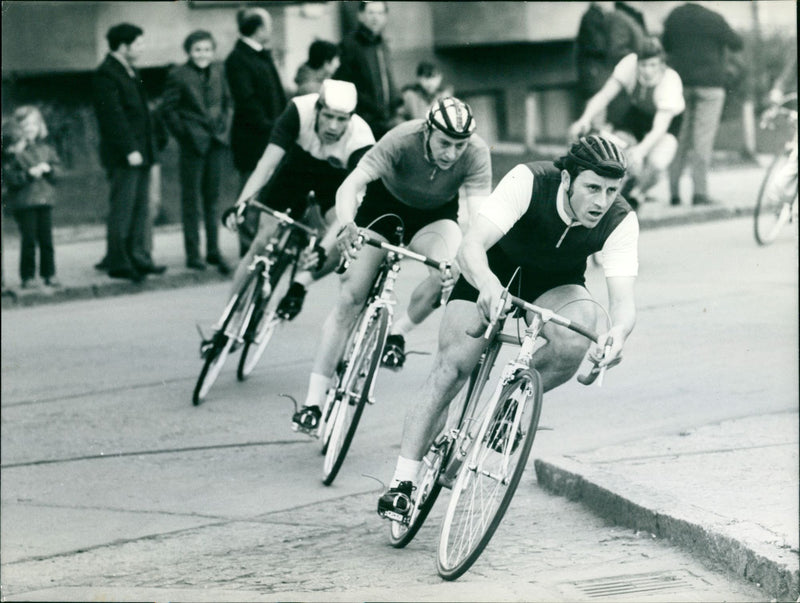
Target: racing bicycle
482, 458
250, 318
354, 380
776, 206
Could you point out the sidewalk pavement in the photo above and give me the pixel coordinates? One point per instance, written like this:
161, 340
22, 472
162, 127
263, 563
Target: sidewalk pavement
630, 484
690, 488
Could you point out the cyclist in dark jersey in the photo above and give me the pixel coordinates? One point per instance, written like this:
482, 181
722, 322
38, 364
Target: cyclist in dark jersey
316, 141
653, 121
546, 218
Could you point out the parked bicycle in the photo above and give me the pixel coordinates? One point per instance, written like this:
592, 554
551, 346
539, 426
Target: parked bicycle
776, 205
250, 318
355, 374
482, 457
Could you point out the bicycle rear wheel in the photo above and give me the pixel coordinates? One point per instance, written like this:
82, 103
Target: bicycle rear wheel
240, 310
771, 214
363, 362
265, 320
428, 488
490, 474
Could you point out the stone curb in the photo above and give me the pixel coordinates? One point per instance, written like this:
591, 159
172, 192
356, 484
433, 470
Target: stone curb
613, 497
15, 299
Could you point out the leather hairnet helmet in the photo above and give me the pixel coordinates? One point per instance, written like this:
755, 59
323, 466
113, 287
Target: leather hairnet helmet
452, 116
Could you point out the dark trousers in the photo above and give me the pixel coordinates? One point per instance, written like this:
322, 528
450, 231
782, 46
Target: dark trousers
36, 228
248, 229
127, 218
200, 184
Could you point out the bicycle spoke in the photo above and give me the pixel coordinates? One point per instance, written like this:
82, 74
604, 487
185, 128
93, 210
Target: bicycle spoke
490, 475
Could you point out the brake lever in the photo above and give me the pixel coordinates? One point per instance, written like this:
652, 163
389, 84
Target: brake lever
597, 372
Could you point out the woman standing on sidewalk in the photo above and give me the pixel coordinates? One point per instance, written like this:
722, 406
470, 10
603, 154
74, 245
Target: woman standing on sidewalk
30, 166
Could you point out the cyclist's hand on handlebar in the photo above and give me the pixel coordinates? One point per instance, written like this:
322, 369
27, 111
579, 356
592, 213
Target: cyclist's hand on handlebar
234, 216
312, 259
348, 242
775, 96
490, 299
608, 350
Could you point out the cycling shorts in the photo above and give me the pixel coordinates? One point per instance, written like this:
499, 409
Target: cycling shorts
527, 284
639, 123
378, 202
298, 174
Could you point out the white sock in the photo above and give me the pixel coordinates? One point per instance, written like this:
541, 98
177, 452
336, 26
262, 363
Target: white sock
317, 389
403, 325
405, 471
304, 278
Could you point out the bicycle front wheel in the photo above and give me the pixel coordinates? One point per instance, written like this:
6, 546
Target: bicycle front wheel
265, 320
771, 212
353, 394
240, 309
490, 474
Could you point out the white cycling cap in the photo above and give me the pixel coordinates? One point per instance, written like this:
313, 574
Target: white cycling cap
338, 95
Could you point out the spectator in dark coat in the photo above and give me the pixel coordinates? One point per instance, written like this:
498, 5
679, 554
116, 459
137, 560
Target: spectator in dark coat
258, 100
127, 150
695, 39
323, 61
366, 63
197, 108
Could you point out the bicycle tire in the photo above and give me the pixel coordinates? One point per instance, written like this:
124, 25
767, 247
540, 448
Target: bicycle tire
264, 321
210, 371
240, 308
364, 361
329, 409
464, 536
769, 218
433, 468
428, 488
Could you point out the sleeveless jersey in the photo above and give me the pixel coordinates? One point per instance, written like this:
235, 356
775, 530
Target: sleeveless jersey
533, 242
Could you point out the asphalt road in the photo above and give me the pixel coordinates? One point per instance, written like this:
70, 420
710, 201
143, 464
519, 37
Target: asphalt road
114, 486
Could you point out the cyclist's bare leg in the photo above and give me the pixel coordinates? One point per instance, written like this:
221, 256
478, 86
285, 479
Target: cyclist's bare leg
266, 228
657, 163
783, 187
439, 241
354, 288
559, 359
456, 356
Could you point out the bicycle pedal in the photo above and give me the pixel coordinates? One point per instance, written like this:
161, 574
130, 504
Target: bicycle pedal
393, 516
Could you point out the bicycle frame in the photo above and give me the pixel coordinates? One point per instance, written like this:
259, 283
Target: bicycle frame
527, 346
382, 293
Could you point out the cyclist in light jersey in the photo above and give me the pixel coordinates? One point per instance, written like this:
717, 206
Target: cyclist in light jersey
316, 141
652, 123
546, 218
414, 172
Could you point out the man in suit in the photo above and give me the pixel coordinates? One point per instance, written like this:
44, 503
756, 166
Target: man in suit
197, 109
127, 149
366, 63
258, 100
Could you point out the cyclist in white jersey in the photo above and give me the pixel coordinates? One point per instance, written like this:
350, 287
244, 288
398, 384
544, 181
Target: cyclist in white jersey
413, 173
546, 218
653, 121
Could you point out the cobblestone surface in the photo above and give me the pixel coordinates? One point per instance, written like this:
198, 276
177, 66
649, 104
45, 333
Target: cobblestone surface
338, 550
